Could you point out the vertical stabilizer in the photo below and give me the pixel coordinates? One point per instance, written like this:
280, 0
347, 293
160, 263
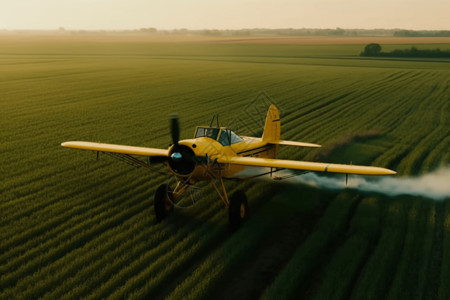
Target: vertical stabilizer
272, 127
271, 132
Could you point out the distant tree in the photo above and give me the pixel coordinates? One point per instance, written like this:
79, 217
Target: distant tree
150, 30
337, 31
372, 49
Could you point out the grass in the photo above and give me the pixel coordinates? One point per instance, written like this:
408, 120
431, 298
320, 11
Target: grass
72, 227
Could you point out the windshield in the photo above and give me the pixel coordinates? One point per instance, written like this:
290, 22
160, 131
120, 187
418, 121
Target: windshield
207, 132
228, 137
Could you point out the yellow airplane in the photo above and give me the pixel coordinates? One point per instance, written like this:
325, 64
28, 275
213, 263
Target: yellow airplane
215, 154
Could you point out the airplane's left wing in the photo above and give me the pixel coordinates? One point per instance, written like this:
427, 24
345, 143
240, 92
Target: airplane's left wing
120, 149
307, 166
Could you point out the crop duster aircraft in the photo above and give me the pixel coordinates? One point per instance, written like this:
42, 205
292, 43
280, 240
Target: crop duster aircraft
216, 154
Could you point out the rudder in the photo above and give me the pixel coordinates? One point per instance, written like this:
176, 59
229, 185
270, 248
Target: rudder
271, 132
272, 126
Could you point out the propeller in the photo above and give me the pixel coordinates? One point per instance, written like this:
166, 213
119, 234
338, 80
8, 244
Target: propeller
182, 159
174, 128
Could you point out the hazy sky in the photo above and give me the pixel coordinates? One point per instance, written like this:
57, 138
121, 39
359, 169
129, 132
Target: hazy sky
224, 14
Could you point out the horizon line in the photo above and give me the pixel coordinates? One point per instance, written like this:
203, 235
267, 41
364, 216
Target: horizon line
63, 28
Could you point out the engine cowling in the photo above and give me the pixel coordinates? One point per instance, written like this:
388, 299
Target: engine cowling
182, 160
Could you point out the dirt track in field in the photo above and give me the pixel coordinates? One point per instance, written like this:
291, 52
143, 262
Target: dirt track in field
263, 40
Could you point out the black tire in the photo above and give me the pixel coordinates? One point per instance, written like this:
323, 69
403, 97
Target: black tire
163, 203
237, 211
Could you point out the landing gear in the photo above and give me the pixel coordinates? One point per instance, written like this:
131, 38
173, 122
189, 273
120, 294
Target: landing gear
163, 203
237, 205
238, 210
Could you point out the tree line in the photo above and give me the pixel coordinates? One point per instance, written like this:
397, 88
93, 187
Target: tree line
239, 32
422, 33
375, 50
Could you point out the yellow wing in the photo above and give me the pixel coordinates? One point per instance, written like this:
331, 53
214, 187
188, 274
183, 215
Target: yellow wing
308, 166
121, 149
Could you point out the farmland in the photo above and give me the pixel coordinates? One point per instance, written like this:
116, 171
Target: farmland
73, 227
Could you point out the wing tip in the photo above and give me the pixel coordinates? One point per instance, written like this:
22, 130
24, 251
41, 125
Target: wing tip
391, 172
383, 171
69, 144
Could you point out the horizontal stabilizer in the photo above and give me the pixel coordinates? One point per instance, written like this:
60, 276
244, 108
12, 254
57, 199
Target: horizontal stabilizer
285, 143
296, 144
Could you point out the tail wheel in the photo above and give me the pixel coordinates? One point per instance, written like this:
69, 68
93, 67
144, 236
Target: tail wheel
238, 210
163, 203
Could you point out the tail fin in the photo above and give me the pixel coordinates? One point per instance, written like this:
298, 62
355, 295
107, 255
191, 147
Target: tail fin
272, 127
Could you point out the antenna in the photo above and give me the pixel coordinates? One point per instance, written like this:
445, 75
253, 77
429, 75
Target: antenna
212, 121
215, 116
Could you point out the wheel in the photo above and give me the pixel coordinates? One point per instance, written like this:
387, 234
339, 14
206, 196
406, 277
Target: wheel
163, 203
238, 210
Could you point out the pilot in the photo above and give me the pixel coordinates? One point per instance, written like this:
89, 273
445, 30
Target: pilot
209, 132
212, 133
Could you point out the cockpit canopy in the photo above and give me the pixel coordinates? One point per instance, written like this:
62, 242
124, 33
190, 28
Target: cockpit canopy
223, 135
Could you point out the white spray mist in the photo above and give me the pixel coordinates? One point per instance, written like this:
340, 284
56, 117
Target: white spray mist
434, 185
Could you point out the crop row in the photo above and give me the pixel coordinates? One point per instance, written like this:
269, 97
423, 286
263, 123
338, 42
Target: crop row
411, 275
343, 269
312, 251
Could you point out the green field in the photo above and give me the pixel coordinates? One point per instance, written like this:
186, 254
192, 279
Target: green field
72, 227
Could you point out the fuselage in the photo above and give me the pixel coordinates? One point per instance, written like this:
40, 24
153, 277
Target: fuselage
198, 158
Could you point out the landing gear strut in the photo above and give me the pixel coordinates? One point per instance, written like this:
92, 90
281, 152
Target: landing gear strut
238, 210
237, 205
163, 203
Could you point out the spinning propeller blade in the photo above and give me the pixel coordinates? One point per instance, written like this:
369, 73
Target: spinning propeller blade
174, 128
